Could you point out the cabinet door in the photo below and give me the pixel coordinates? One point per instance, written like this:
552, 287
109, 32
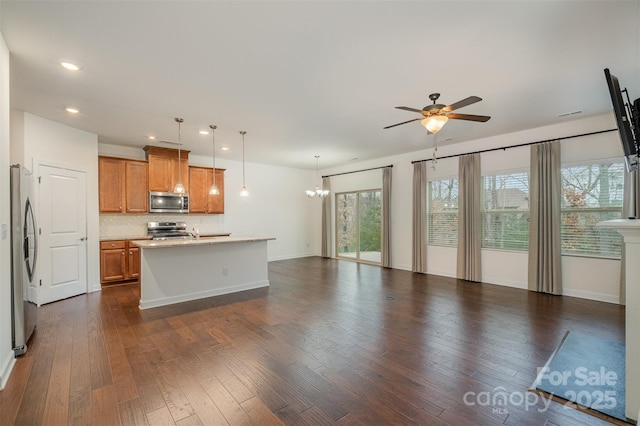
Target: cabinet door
112, 265
216, 202
136, 187
184, 173
160, 173
133, 270
111, 178
198, 190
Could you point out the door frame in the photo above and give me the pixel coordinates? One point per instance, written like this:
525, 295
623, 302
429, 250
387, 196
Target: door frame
37, 163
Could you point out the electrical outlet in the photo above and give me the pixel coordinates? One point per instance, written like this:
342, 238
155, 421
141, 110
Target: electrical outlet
4, 231
225, 271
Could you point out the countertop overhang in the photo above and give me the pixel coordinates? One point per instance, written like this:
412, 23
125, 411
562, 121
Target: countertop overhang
190, 242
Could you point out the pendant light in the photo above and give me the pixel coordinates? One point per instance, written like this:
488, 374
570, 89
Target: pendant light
214, 188
244, 192
179, 188
321, 193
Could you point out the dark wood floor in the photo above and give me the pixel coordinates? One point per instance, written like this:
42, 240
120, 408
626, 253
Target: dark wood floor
329, 342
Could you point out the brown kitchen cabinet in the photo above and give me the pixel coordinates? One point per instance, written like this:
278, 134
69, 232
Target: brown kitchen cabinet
119, 261
200, 180
163, 168
122, 185
112, 261
136, 183
133, 261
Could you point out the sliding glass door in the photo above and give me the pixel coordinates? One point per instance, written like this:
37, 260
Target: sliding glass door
359, 226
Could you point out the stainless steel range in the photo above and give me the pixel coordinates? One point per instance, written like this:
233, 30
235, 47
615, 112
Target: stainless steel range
167, 230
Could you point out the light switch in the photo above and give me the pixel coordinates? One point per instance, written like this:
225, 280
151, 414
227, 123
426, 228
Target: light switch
4, 231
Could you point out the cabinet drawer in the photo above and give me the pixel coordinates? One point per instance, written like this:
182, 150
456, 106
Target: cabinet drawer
105, 245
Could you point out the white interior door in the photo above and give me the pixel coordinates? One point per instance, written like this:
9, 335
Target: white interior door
63, 230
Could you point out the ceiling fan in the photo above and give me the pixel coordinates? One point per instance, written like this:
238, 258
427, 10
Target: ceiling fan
436, 115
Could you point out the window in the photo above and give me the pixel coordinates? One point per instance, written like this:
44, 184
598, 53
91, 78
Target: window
590, 194
359, 225
442, 221
505, 211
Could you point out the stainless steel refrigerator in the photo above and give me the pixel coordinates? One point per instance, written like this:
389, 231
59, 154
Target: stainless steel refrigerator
24, 252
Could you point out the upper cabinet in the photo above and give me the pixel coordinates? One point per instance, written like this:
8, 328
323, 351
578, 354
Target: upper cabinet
163, 168
200, 180
123, 185
136, 184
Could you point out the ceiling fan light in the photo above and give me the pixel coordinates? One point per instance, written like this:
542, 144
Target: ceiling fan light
434, 123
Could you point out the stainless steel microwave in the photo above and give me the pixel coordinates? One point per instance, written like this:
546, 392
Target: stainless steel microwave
168, 202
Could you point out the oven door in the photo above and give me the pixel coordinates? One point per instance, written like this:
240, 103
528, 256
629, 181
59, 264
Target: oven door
167, 202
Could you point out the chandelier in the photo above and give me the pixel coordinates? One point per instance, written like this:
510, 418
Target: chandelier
317, 191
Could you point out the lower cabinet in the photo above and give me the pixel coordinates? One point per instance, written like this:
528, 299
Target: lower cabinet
119, 261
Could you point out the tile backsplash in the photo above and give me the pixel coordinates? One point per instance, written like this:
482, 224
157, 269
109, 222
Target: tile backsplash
135, 225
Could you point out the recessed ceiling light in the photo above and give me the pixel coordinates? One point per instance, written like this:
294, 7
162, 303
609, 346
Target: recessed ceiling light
70, 66
151, 138
72, 110
204, 132
225, 148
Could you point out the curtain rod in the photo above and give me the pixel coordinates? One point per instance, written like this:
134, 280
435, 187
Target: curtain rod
504, 148
357, 171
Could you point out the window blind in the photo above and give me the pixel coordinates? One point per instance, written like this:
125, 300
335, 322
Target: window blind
591, 193
442, 222
505, 211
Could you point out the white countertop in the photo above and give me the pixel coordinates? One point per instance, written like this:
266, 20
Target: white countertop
197, 241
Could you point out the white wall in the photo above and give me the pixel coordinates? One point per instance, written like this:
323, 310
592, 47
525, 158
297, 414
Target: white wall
6, 353
590, 278
276, 207
36, 140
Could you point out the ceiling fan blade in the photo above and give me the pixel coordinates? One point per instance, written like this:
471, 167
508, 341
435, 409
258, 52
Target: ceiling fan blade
409, 109
463, 103
470, 117
404, 122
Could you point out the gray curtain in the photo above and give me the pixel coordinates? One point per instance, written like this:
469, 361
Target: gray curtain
326, 220
469, 220
419, 237
545, 272
386, 217
630, 208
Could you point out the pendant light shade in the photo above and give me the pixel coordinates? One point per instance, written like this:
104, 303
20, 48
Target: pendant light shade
317, 191
214, 188
244, 192
179, 187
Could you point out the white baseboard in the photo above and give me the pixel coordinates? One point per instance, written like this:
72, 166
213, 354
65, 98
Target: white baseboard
505, 283
292, 256
7, 367
600, 297
441, 273
163, 301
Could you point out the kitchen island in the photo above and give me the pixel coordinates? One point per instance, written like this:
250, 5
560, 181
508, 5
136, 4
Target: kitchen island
179, 270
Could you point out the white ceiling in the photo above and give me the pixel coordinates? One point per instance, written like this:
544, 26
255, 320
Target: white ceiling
315, 77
